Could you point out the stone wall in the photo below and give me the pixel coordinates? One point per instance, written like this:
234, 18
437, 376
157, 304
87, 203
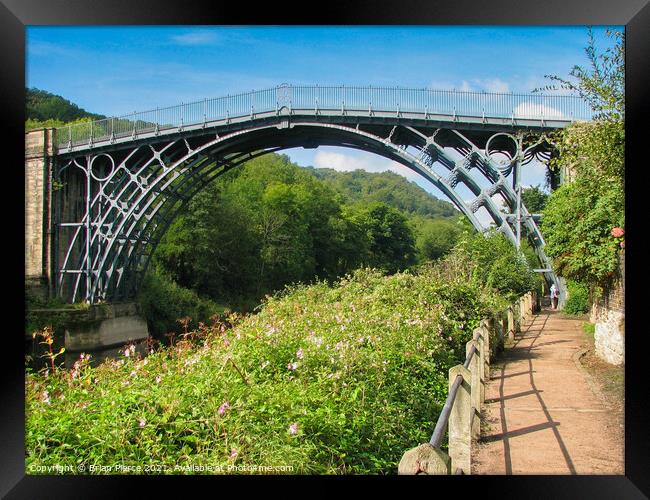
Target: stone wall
35, 178
43, 202
95, 327
38, 151
608, 313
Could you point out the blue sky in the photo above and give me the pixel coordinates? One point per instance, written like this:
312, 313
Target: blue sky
114, 70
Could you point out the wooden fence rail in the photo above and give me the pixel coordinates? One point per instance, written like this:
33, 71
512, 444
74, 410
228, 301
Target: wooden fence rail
461, 414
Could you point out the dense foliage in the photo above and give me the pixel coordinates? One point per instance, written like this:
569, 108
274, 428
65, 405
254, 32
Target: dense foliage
163, 303
584, 219
578, 301
44, 109
385, 187
324, 379
435, 237
496, 263
269, 223
534, 199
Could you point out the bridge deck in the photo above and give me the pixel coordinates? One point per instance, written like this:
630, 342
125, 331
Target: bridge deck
542, 412
516, 111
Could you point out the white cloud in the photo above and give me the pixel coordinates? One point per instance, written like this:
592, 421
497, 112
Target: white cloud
49, 49
496, 85
465, 87
196, 38
533, 174
370, 163
535, 110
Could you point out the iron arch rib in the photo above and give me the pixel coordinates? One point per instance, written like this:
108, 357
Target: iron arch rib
136, 204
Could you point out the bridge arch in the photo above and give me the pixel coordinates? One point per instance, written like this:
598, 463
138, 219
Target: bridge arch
129, 206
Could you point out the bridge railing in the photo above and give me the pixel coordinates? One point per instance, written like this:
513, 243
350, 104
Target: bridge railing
461, 413
333, 99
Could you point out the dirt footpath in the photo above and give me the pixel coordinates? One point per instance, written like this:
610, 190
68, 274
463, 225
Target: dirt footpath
543, 412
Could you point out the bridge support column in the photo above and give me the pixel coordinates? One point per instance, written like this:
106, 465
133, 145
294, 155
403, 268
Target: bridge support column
39, 149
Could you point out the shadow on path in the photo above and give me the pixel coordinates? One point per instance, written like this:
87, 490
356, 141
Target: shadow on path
522, 349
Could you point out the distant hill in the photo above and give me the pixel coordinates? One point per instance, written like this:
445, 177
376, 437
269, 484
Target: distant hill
387, 187
42, 106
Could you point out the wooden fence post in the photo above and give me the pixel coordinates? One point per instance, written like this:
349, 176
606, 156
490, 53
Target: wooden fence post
487, 326
425, 459
460, 436
475, 383
511, 323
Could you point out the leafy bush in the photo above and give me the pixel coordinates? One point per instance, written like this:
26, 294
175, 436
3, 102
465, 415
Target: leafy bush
163, 302
325, 379
589, 328
578, 224
493, 261
578, 300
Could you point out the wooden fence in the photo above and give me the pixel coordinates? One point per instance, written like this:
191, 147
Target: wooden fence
460, 415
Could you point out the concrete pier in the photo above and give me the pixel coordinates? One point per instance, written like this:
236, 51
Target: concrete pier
106, 325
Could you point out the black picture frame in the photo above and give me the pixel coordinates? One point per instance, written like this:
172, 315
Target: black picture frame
634, 14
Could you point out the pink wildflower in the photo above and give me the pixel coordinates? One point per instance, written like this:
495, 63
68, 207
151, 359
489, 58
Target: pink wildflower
292, 366
617, 232
46, 397
233, 453
300, 353
293, 429
142, 423
222, 409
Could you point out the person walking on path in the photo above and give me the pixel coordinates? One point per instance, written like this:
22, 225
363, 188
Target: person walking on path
554, 295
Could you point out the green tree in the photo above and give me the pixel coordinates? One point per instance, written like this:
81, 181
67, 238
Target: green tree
42, 107
584, 218
385, 187
534, 199
435, 237
578, 224
391, 244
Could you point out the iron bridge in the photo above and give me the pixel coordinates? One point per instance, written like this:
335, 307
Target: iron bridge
140, 170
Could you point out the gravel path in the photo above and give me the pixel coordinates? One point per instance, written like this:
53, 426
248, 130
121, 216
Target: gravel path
543, 413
